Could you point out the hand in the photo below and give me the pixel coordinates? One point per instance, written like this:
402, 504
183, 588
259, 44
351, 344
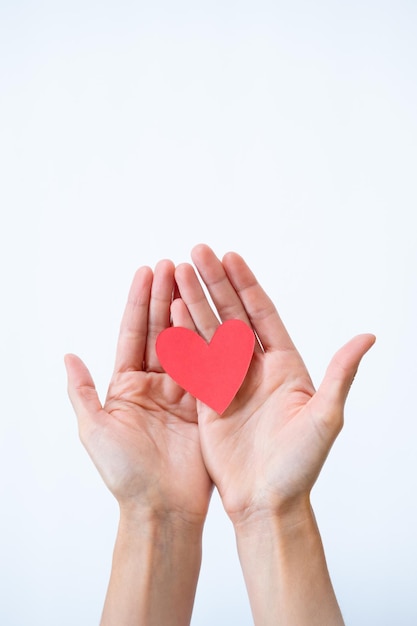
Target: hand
265, 452
145, 444
144, 440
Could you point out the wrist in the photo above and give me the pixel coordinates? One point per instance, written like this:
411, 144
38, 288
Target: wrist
134, 515
155, 568
267, 533
164, 527
289, 515
285, 569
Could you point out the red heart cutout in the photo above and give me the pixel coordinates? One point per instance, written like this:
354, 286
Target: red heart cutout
211, 372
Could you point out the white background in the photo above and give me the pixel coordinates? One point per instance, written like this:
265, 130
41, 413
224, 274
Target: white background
130, 131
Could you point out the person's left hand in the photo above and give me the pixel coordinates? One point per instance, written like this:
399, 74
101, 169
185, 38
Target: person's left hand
266, 451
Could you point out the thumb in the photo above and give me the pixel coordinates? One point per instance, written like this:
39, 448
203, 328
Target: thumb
328, 403
82, 392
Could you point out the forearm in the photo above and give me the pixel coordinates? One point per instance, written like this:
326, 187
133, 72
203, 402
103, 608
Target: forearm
285, 570
154, 573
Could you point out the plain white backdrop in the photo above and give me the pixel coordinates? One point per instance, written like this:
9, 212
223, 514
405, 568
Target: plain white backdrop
131, 131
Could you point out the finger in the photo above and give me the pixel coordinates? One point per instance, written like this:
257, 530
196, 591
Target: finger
250, 302
192, 294
181, 316
328, 403
82, 393
259, 307
221, 290
159, 310
176, 293
130, 352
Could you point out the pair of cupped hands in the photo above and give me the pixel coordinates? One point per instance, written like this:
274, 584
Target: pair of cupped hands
160, 451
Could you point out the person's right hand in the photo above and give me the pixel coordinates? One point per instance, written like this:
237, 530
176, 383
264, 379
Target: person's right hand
144, 440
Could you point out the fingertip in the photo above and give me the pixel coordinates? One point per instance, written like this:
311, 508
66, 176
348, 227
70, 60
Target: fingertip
182, 266
142, 281
369, 340
372, 339
234, 262
180, 315
78, 373
360, 344
143, 270
183, 271
343, 368
199, 247
165, 264
81, 390
70, 361
163, 275
231, 255
201, 252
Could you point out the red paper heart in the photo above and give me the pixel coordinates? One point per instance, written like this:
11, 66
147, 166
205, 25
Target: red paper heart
211, 372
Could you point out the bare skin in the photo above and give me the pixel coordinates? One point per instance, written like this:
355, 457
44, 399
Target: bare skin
145, 443
266, 451
160, 452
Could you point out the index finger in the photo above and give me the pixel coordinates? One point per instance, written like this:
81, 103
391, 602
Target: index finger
131, 345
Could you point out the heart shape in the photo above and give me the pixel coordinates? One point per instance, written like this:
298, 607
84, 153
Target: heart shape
211, 372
